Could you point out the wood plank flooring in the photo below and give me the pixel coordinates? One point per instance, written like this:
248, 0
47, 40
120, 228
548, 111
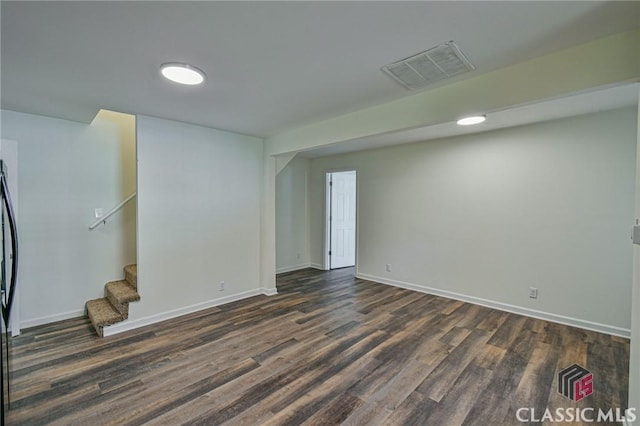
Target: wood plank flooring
328, 349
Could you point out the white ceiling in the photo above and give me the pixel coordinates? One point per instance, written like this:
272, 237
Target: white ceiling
271, 66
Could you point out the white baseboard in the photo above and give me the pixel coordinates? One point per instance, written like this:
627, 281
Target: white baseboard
292, 268
561, 319
51, 318
152, 319
269, 291
317, 266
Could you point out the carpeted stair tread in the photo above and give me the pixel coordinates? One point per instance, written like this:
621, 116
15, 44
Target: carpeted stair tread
121, 292
114, 307
102, 313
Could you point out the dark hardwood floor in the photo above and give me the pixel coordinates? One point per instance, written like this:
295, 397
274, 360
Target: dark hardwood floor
328, 349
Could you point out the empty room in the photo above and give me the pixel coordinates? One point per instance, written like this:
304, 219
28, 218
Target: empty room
318, 213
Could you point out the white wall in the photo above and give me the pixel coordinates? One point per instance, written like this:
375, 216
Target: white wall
292, 244
488, 215
199, 206
66, 169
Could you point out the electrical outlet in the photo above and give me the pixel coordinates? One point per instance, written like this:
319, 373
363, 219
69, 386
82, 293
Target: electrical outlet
388, 267
221, 285
298, 256
533, 292
98, 212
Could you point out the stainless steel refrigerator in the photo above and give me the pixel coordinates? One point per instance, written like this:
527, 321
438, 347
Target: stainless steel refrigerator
8, 272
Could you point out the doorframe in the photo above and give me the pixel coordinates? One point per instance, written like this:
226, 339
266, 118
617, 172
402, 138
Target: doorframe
327, 214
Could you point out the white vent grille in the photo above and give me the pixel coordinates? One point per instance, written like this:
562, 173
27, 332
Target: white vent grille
438, 63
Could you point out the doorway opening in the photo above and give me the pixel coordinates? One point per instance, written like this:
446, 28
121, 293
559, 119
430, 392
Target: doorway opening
341, 219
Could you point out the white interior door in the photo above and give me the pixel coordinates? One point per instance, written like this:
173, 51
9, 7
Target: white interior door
342, 220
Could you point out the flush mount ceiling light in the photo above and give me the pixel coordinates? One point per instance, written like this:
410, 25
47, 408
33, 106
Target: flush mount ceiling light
474, 119
182, 73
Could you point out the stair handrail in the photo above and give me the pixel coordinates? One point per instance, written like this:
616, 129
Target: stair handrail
107, 215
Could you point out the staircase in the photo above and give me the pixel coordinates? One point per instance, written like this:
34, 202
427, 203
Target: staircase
114, 307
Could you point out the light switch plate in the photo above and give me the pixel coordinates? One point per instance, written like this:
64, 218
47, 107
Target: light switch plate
636, 234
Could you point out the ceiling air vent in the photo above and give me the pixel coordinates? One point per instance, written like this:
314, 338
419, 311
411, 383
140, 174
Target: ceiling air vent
438, 63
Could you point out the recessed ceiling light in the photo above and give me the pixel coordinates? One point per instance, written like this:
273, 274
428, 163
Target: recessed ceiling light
182, 73
474, 119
